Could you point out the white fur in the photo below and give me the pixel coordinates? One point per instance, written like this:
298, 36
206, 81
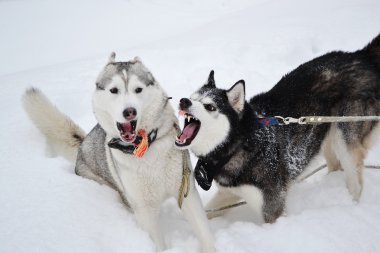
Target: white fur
57, 127
348, 163
254, 198
148, 181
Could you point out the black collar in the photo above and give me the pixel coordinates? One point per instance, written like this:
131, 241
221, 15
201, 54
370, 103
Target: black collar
129, 148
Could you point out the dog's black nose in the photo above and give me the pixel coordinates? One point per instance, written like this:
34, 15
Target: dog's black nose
184, 103
130, 113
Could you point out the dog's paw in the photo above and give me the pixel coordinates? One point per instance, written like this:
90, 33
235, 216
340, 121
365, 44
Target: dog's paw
355, 188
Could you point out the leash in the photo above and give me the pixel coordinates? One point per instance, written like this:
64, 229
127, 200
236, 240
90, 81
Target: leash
241, 203
186, 172
279, 120
185, 184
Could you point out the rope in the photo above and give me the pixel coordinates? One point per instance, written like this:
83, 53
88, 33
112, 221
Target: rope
214, 210
185, 184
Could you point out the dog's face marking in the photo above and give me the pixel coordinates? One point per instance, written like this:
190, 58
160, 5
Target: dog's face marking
122, 88
209, 114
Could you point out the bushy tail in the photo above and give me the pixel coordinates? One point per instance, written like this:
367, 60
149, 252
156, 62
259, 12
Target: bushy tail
373, 48
63, 136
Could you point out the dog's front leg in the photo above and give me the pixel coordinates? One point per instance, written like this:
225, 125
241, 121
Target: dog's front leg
147, 218
194, 213
255, 200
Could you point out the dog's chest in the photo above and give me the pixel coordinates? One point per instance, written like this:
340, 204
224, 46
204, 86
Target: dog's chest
141, 178
149, 179
232, 169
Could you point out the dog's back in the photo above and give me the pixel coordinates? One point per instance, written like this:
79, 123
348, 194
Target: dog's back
335, 84
324, 85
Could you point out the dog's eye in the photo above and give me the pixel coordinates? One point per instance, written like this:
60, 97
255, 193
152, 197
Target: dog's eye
209, 107
114, 90
138, 90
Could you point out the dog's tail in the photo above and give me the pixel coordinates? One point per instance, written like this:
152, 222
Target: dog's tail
373, 49
63, 136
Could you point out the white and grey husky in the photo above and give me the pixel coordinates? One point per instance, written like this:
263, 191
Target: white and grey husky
133, 114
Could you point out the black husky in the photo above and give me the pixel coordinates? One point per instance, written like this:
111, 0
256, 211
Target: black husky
258, 163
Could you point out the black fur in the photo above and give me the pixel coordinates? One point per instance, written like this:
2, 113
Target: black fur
337, 83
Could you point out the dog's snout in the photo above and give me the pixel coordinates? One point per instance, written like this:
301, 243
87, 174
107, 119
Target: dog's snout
184, 103
130, 113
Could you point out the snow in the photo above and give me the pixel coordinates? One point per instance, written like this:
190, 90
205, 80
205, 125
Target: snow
60, 46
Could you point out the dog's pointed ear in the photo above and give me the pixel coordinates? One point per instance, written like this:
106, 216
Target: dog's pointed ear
236, 96
112, 57
137, 59
211, 80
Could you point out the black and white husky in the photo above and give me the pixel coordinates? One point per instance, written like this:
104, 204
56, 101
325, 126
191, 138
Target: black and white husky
127, 99
258, 163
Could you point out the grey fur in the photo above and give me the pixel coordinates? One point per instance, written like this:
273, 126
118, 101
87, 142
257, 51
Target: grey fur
92, 161
131, 68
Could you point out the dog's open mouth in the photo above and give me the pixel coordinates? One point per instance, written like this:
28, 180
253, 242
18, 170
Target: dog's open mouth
190, 130
127, 130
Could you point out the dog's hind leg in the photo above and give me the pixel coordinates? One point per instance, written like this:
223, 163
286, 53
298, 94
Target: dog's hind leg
332, 162
274, 204
194, 213
351, 158
223, 197
84, 171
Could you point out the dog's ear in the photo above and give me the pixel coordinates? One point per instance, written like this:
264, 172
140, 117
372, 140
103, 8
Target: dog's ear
112, 57
137, 59
236, 96
211, 80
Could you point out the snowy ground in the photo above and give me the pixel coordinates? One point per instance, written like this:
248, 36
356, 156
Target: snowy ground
60, 46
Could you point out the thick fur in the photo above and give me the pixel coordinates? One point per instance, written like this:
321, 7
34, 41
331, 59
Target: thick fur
258, 164
49, 120
143, 183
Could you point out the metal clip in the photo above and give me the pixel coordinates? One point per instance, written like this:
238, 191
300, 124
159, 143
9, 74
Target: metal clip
290, 120
281, 120
302, 121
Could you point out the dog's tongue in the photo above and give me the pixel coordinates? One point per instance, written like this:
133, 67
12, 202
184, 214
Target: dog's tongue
127, 127
127, 131
188, 132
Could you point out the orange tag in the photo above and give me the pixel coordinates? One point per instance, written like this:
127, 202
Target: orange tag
143, 146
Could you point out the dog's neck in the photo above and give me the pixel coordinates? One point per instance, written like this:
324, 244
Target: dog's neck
210, 165
161, 117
